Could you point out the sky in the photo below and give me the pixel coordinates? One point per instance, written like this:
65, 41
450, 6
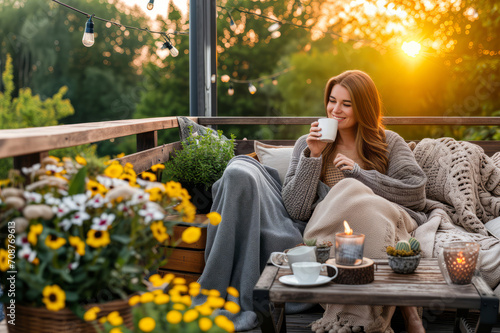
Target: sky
160, 6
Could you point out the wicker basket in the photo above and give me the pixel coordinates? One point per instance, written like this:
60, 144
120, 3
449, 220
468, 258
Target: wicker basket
41, 320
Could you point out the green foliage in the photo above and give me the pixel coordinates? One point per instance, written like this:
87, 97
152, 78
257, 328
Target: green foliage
310, 242
404, 248
202, 159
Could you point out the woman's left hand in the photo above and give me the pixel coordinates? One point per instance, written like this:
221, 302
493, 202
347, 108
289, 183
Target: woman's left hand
343, 163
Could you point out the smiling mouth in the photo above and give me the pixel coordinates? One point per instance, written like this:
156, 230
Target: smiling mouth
338, 118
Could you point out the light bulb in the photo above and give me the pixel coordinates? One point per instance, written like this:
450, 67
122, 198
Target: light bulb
151, 4
173, 51
275, 34
230, 92
88, 35
225, 78
300, 9
251, 88
273, 27
275, 81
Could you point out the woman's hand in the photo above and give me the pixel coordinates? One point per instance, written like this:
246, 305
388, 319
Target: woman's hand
315, 145
343, 163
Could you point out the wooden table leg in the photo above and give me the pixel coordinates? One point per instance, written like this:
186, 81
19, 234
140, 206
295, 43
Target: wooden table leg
489, 306
264, 308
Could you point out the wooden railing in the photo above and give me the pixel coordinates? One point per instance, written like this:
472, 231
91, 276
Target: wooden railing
30, 145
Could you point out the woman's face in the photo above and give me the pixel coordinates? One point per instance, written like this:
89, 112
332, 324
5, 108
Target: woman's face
339, 107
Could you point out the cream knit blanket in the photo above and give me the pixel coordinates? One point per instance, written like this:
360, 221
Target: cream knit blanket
462, 180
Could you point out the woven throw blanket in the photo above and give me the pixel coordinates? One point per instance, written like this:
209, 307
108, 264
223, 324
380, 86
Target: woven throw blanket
462, 180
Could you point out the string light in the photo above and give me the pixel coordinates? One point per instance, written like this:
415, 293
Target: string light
275, 26
225, 78
151, 4
230, 91
232, 25
88, 35
251, 88
275, 81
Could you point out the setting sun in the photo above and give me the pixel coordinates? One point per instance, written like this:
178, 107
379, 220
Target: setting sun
411, 48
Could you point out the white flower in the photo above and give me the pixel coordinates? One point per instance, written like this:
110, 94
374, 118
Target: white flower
103, 222
33, 197
22, 240
34, 167
75, 202
74, 265
27, 253
62, 192
79, 217
96, 202
54, 168
139, 198
65, 224
61, 210
150, 213
141, 182
106, 181
51, 200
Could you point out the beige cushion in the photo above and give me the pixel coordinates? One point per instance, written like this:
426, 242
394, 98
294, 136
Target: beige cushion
277, 157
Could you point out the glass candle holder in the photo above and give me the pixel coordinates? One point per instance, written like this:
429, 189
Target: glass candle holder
458, 262
349, 249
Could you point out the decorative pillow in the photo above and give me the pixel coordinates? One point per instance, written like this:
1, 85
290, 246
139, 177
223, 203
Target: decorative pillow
277, 157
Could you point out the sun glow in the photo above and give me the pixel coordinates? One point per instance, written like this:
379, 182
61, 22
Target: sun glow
411, 48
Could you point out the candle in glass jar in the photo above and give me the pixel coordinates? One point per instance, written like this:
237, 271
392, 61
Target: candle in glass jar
349, 247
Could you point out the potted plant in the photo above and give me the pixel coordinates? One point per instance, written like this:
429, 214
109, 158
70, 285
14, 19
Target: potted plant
200, 163
80, 233
405, 256
322, 248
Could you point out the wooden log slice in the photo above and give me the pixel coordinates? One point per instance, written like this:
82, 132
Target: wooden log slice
361, 274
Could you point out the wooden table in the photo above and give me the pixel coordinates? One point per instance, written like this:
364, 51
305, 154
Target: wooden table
425, 287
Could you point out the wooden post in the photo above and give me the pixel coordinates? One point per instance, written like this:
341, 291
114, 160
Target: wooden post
147, 140
26, 161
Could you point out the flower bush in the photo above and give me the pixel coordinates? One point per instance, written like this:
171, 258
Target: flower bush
87, 232
170, 309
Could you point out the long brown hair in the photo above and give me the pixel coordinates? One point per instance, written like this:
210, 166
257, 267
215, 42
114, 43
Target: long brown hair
367, 107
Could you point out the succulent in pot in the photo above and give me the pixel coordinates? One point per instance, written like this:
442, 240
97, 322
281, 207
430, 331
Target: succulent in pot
405, 256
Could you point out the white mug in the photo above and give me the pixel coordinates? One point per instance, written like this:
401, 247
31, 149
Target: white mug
308, 272
328, 128
296, 254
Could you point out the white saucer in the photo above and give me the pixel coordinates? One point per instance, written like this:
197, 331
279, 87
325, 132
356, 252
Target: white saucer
291, 280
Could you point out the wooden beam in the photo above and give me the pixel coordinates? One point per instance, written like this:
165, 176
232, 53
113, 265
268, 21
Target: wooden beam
24, 141
143, 160
26, 161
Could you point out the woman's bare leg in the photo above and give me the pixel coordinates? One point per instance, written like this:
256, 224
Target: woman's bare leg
413, 322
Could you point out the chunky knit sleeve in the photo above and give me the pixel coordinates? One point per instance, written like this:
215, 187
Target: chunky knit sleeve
404, 182
301, 181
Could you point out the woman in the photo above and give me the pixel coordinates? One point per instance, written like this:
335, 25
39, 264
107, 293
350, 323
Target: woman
368, 176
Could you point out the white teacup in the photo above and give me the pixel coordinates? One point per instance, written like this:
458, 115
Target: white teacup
329, 128
308, 272
297, 254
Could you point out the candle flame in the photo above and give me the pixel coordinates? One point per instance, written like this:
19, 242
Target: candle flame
460, 259
347, 230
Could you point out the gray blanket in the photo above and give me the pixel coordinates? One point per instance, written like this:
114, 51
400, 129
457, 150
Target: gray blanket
254, 224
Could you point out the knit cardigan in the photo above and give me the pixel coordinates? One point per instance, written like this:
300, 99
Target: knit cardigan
403, 183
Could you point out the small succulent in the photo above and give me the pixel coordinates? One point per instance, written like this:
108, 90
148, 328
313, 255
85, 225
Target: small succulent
405, 248
310, 242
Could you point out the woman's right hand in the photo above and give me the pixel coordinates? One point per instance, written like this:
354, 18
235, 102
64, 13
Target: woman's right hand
315, 145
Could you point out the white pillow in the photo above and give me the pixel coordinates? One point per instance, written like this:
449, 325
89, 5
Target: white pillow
277, 157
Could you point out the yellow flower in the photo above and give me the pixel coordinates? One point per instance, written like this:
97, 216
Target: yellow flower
4, 182
35, 231
214, 292
179, 280
191, 235
134, 300
214, 218
98, 238
120, 155
54, 242
157, 167
215, 302
205, 324
113, 171
162, 299
4, 260
174, 317
80, 160
154, 193
102, 320
78, 244
147, 324
169, 277
147, 297
91, 314
129, 166
194, 292
96, 188
186, 300
116, 330
173, 189
190, 315
159, 231
54, 297
36, 261
179, 306
204, 309
194, 285
233, 291
157, 292
129, 177
156, 280
181, 288
187, 209
232, 307
148, 176
115, 319
224, 323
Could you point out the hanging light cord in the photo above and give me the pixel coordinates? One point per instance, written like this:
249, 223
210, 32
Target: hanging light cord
119, 24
